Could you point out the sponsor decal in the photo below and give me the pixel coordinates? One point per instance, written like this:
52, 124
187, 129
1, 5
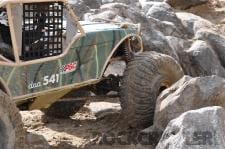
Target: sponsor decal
33, 85
54, 78
68, 68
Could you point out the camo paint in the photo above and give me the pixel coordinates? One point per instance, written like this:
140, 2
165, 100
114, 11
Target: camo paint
89, 53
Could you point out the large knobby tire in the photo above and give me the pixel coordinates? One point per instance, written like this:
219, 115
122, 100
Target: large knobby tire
144, 78
12, 133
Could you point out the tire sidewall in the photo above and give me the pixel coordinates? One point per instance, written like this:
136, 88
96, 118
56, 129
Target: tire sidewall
11, 123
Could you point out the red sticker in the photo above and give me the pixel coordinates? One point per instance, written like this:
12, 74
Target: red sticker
68, 68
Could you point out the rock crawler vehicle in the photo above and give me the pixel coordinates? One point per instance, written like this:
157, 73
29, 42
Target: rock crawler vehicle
46, 54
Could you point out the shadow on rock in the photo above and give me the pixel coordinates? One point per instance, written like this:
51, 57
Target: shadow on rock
35, 141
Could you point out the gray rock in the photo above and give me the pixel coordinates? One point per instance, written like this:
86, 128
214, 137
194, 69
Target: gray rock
79, 7
117, 7
119, 1
143, 2
185, 4
163, 12
155, 41
122, 19
154, 134
193, 23
111, 12
131, 3
108, 1
215, 40
178, 44
101, 109
108, 14
36, 141
148, 23
153, 30
147, 5
93, 4
197, 129
166, 16
188, 94
124, 13
201, 60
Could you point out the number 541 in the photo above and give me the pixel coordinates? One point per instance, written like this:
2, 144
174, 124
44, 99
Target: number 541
51, 79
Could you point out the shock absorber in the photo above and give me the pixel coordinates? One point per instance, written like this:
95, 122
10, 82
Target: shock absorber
127, 51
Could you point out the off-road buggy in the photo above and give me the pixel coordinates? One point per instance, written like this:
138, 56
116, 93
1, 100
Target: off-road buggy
46, 54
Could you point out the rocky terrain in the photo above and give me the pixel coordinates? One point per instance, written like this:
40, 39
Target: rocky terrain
189, 114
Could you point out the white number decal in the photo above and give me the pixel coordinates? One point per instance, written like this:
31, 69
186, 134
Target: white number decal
52, 79
45, 80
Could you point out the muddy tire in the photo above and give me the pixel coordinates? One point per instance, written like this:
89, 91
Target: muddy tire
144, 78
12, 134
64, 108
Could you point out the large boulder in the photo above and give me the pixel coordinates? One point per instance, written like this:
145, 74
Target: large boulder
153, 133
198, 129
145, 6
188, 94
155, 41
120, 1
178, 44
111, 12
193, 23
107, 15
185, 4
154, 31
215, 40
144, 2
79, 7
93, 4
163, 12
148, 23
201, 60
124, 13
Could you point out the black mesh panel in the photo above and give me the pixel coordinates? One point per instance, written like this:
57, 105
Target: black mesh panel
42, 30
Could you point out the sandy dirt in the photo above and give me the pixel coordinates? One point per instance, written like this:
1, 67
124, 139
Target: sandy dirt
85, 129
213, 11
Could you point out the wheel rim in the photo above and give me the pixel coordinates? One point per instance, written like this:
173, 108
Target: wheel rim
3, 136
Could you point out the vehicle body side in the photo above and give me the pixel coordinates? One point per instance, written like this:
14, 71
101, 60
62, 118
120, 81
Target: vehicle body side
82, 64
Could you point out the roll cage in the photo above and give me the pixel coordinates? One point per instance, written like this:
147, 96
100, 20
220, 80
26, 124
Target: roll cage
42, 31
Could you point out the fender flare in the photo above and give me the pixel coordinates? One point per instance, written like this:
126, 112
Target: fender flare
117, 46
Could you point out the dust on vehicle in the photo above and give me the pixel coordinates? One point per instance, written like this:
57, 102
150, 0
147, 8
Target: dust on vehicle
47, 55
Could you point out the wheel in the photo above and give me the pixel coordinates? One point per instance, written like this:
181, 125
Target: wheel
64, 108
144, 78
12, 134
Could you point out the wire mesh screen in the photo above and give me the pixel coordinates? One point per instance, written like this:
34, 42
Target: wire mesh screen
42, 30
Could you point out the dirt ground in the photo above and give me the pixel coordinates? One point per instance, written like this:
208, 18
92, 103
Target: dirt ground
213, 11
86, 129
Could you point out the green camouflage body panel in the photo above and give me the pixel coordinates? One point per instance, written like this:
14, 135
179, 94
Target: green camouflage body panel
83, 62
